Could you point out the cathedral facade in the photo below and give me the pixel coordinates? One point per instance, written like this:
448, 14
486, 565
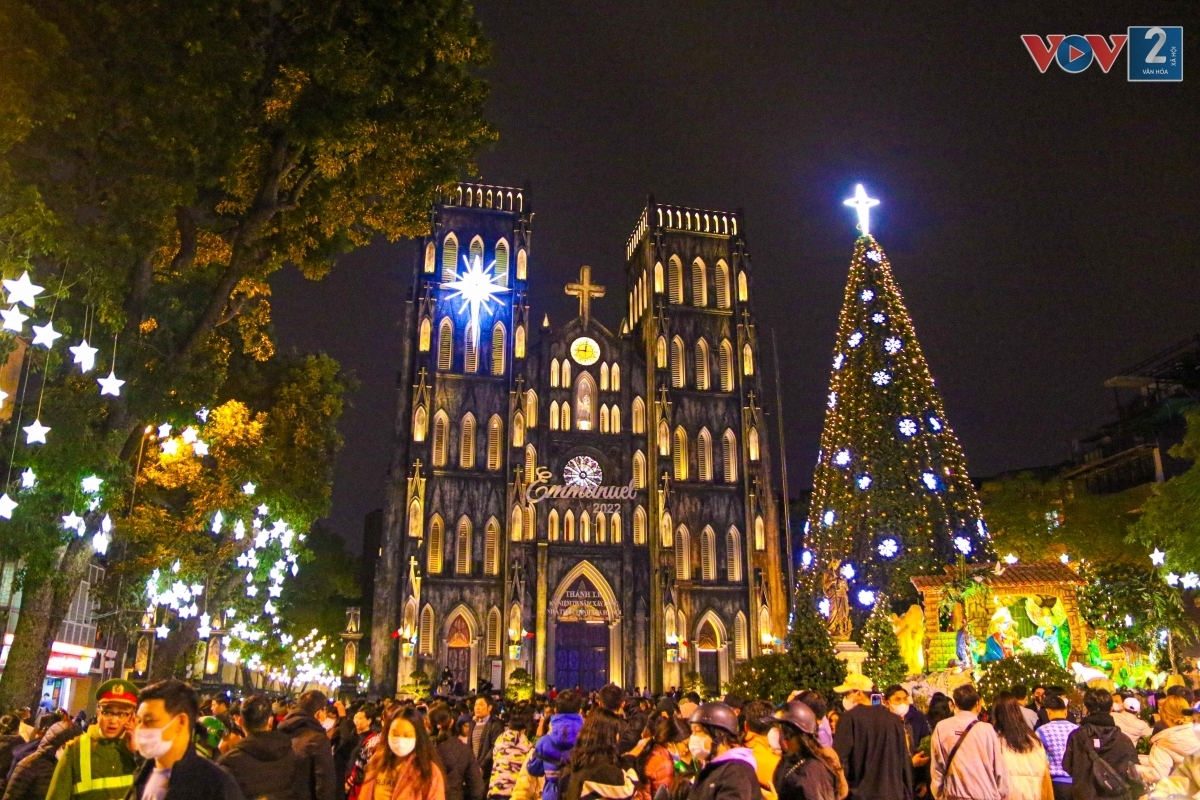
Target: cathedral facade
584, 502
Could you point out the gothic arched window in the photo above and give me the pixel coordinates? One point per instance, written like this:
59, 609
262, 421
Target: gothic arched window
491, 547
495, 442
666, 533
702, 364
553, 372
519, 342
425, 635
522, 264
471, 351
760, 534
699, 284
660, 353
530, 463
658, 278
708, 555
681, 454
614, 527
639, 470
501, 270
664, 438
416, 521
425, 337
445, 345
493, 632
752, 443
604, 418
466, 441
476, 250
614, 423
449, 257
604, 376
704, 454
531, 409
747, 360
585, 402
420, 421
569, 526
678, 367
462, 547
729, 456
552, 525
725, 365
518, 439
639, 525
733, 555
740, 650
585, 527
441, 433
722, 281
515, 532
616, 377
430, 257
683, 554
743, 290
436, 544
675, 281
554, 418
639, 415
498, 349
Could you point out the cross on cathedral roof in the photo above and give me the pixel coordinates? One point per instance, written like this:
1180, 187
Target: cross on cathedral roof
585, 290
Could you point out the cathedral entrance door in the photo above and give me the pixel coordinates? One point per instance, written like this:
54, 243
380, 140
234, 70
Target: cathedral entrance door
458, 652
581, 655
706, 650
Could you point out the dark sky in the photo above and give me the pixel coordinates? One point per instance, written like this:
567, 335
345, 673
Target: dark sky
1043, 227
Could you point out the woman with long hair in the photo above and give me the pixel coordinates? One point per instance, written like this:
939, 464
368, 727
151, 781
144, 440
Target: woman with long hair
594, 770
1171, 746
728, 770
658, 756
1022, 752
408, 768
460, 768
807, 771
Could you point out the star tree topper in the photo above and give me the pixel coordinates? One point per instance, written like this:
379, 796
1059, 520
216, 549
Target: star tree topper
863, 205
478, 288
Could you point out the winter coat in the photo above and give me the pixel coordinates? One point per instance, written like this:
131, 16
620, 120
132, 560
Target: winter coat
1131, 725
552, 752
311, 745
1115, 748
508, 756
1168, 749
799, 778
266, 768
732, 775
463, 778
30, 778
20, 751
977, 771
405, 786
7, 745
657, 771
600, 781
1028, 773
192, 778
487, 741
871, 746
766, 759
367, 743
527, 787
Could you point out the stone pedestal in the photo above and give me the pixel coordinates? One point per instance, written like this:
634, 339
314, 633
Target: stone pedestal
852, 654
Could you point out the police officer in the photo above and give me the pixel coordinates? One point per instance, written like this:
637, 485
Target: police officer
100, 764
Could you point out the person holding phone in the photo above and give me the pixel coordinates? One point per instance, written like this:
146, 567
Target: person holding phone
871, 745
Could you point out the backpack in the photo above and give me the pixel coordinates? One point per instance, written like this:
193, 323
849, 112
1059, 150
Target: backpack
1111, 782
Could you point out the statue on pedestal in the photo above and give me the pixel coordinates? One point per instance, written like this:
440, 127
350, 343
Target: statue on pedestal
837, 591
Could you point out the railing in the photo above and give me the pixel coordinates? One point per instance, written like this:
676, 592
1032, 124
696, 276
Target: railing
681, 218
482, 195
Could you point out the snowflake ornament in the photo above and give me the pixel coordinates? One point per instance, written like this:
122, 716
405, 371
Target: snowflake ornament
892, 345
864, 482
838, 360
855, 339
823, 607
1191, 580
848, 572
963, 545
888, 548
806, 558
842, 458
833, 399
867, 295
908, 427
1010, 559
866, 598
878, 318
828, 518
874, 255
935, 424
881, 378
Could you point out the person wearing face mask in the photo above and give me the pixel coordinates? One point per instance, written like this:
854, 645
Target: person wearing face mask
728, 770
761, 735
871, 745
916, 728
807, 771
100, 764
166, 714
406, 766
306, 727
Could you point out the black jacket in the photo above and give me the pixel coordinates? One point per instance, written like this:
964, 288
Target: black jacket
464, 779
606, 781
20, 750
192, 778
487, 743
871, 745
311, 745
799, 778
7, 745
345, 742
726, 779
30, 778
264, 766
1115, 748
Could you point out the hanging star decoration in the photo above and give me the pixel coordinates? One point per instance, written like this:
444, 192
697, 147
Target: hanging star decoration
110, 385
478, 289
36, 432
91, 484
863, 205
14, 320
7, 506
72, 522
45, 335
22, 290
85, 355
164, 430
3, 397
1158, 557
28, 478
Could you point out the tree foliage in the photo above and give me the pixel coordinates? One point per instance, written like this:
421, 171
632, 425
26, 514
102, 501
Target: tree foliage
1133, 603
884, 663
1171, 515
1026, 670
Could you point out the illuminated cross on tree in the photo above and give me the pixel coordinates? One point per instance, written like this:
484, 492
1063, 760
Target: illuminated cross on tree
863, 205
585, 290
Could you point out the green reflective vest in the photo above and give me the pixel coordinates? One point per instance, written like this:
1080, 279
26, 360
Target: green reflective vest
93, 769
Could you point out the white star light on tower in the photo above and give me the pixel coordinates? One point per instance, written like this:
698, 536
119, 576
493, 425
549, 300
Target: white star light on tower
14, 320
22, 290
85, 355
7, 506
863, 205
478, 288
110, 385
45, 334
35, 433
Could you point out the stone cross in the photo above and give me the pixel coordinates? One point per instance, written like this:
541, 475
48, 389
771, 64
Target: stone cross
585, 290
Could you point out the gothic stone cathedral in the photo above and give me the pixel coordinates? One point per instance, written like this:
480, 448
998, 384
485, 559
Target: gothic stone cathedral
590, 504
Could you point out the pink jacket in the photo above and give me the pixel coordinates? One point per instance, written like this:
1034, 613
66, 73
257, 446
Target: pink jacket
406, 784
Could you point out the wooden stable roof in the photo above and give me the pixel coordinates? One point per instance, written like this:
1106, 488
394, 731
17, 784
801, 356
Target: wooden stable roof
1006, 576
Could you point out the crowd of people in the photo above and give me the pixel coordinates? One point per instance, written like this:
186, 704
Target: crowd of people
163, 742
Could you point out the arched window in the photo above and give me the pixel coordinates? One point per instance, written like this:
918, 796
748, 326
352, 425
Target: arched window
493, 632
740, 650
531, 409
554, 372
449, 257
515, 625
658, 278
678, 367
669, 630
554, 418
733, 555
446, 345
760, 534
614, 527
639, 470
683, 554
585, 402
471, 351
495, 442
476, 250
441, 432
743, 290
462, 547
569, 526
410, 624
519, 342
515, 532
704, 454
530, 463
722, 281
615, 420
436, 544
552, 525
416, 520
425, 635
565, 413
585, 528
747, 360
466, 441
639, 415
498, 349
725, 365
491, 547
729, 456
566, 374
752, 443
699, 284
604, 377
702, 365
604, 418
420, 422
601, 528
708, 555
518, 439
430, 257
501, 270
666, 533
675, 281
660, 353
681, 454
664, 439
639, 525
764, 624
425, 337
522, 264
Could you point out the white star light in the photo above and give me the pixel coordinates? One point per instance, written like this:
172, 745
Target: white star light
22, 290
1128, 621
72, 522
930, 480
85, 355
45, 334
218, 521
866, 597
1158, 557
863, 205
188, 435
1172, 579
110, 385
864, 482
7, 506
202, 414
263, 510
251, 591
842, 458
478, 288
275, 591
35, 433
200, 448
855, 339
100, 542
162, 631
892, 345
867, 295
963, 545
3, 397
908, 427
1011, 558
1191, 580
91, 484
205, 628
164, 430
888, 548
28, 478
239, 530
14, 320
881, 378
848, 571
248, 488
170, 446
1064, 558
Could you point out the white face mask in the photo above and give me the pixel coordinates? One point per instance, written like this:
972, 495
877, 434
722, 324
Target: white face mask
402, 745
900, 709
848, 702
328, 723
151, 743
698, 745
775, 740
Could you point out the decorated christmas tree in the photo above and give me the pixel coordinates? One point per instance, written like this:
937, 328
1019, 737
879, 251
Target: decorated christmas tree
884, 663
891, 494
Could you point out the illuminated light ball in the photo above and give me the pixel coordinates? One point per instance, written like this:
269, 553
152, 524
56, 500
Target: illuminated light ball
888, 548
864, 482
855, 339
828, 517
806, 558
874, 255
867, 295
881, 378
963, 545
823, 607
1011, 558
935, 424
930, 480
892, 345
866, 597
878, 318
842, 458
848, 572
838, 360
908, 427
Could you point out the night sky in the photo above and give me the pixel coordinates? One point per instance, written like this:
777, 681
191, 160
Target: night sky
1043, 227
